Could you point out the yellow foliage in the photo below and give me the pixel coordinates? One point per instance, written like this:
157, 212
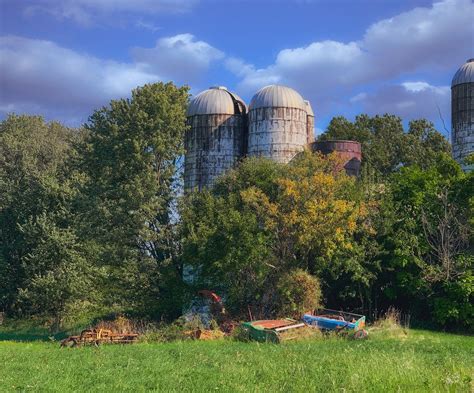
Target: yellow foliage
310, 213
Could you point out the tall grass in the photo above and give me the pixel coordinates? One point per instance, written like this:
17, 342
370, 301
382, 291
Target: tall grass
422, 362
391, 325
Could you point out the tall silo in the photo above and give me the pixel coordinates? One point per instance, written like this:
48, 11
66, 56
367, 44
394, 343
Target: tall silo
277, 123
462, 112
309, 122
216, 138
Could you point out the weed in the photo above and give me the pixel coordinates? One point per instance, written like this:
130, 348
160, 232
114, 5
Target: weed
389, 326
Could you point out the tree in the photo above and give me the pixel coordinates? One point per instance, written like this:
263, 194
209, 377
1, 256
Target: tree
130, 156
386, 146
57, 271
271, 220
429, 252
37, 231
447, 236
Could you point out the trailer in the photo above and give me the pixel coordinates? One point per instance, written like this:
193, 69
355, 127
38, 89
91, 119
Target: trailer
272, 330
334, 320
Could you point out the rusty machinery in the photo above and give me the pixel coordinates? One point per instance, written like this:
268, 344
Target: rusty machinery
99, 336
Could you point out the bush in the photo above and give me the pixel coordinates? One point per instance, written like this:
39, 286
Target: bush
455, 307
298, 292
180, 329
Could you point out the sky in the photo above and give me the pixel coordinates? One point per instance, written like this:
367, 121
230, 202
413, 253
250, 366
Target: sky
64, 58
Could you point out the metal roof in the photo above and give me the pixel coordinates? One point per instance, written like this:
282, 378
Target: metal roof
465, 74
215, 100
277, 96
309, 110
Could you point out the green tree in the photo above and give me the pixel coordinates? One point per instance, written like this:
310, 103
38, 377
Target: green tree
130, 155
429, 252
386, 146
37, 232
271, 220
58, 274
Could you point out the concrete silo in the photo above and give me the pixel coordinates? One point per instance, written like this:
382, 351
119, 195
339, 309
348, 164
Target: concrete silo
216, 138
349, 151
309, 122
462, 112
277, 123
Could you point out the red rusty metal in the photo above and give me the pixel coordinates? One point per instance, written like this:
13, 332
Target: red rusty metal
99, 336
210, 295
350, 151
273, 323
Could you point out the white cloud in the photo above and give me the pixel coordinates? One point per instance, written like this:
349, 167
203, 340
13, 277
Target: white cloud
181, 57
40, 76
42, 73
431, 39
422, 36
358, 97
86, 12
410, 100
143, 24
239, 67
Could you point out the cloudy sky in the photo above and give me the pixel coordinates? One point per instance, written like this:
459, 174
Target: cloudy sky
63, 58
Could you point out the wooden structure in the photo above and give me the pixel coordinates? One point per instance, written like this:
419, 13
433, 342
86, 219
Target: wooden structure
99, 336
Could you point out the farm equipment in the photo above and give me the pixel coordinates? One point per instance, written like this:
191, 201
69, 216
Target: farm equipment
209, 311
217, 307
272, 330
333, 320
218, 312
99, 336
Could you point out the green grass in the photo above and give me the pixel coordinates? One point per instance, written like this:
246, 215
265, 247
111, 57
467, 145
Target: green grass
420, 362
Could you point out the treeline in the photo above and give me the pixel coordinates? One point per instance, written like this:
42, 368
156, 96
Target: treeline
93, 221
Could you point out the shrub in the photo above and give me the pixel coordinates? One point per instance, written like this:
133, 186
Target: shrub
180, 329
298, 292
455, 307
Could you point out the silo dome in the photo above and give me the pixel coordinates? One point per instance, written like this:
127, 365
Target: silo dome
278, 123
277, 96
465, 73
215, 100
216, 138
462, 113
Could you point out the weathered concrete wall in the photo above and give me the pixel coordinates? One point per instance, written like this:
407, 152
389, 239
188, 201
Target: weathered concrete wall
462, 120
213, 145
310, 129
277, 133
350, 151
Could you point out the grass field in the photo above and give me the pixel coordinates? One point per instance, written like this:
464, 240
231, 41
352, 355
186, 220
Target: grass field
420, 361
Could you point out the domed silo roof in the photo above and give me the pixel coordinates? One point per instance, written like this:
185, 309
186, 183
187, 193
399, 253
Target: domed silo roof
465, 74
277, 96
309, 110
215, 100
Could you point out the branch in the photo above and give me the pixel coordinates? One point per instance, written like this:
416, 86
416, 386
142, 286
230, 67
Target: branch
442, 120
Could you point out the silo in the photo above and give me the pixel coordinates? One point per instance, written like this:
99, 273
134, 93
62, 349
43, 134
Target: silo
350, 151
277, 123
309, 122
462, 113
216, 138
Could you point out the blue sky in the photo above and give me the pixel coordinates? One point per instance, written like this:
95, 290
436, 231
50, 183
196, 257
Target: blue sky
64, 58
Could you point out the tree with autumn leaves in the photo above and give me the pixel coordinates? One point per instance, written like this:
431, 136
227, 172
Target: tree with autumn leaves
92, 220
264, 220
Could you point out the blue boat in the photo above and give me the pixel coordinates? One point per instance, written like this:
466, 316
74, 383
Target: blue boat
326, 319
